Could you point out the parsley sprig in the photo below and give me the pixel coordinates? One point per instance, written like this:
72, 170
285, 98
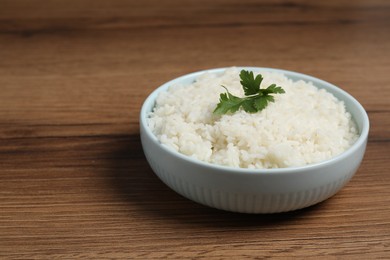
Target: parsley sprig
256, 99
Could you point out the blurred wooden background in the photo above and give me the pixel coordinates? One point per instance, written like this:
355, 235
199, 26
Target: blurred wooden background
74, 182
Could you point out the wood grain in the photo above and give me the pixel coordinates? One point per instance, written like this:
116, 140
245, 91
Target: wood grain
74, 182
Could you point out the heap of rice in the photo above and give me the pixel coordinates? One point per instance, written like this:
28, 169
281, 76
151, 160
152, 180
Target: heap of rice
303, 126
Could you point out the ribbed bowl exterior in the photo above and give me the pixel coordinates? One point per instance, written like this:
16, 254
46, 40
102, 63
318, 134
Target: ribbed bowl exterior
248, 202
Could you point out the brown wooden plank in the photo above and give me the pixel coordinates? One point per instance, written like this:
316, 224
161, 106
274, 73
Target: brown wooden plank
74, 182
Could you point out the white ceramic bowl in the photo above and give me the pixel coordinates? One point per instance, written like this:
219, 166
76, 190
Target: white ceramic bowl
259, 190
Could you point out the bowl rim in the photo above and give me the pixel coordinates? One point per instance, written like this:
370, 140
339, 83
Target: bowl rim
363, 133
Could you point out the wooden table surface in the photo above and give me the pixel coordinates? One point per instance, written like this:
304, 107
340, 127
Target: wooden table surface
74, 182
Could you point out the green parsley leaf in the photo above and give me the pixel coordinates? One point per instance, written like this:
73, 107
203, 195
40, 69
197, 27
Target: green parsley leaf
256, 99
275, 89
227, 103
250, 84
249, 105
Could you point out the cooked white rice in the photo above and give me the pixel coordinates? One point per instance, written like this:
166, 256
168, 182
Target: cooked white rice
303, 126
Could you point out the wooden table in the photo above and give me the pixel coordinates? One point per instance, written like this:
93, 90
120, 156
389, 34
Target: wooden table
74, 182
